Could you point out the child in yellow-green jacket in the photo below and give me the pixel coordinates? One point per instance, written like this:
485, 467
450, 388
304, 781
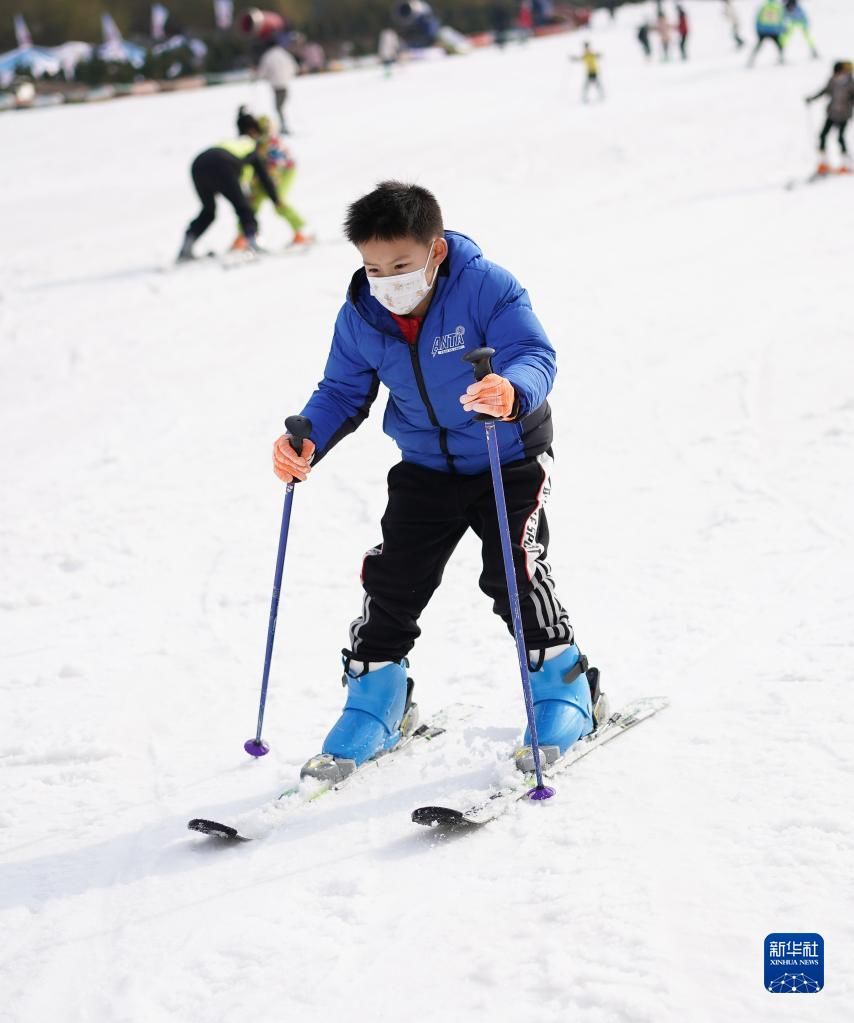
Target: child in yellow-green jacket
281, 167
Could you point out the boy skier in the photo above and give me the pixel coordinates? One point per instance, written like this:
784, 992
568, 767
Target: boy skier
840, 91
218, 171
590, 60
423, 298
281, 167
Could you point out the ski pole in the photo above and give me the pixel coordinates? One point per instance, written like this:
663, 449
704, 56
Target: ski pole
299, 428
810, 129
480, 360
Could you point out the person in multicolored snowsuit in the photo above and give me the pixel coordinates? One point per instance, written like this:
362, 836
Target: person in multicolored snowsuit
590, 60
840, 92
422, 299
218, 171
796, 18
770, 25
664, 29
281, 167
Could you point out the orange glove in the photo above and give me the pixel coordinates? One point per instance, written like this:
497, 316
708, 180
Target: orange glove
493, 395
287, 464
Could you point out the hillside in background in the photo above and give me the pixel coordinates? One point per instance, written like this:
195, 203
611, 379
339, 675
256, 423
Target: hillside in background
55, 21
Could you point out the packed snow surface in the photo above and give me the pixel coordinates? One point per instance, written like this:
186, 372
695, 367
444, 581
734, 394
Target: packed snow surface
701, 539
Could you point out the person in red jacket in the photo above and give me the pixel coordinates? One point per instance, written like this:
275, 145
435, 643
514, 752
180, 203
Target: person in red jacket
683, 29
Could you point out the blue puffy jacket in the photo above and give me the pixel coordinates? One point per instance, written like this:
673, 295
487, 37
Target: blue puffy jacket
475, 303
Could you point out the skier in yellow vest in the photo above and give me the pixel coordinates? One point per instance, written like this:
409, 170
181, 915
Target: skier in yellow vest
590, 60
771, 24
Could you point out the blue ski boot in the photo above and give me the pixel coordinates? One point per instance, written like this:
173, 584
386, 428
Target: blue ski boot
379, 711
568, 705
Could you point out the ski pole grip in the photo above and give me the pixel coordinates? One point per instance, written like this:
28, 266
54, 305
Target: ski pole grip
480, 360
299, 429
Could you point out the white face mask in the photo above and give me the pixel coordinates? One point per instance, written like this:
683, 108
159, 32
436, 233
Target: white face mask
402, 293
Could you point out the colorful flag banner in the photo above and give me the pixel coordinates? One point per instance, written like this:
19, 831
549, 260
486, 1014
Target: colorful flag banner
22, 33
159, 17
223, 13
112, 36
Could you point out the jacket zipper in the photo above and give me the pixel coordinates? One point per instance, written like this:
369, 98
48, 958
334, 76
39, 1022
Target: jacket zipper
422, 390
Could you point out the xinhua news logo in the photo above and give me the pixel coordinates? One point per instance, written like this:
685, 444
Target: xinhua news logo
794, 964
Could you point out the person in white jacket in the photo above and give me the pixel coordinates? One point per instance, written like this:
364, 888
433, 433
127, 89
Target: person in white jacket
388, 49
278, 67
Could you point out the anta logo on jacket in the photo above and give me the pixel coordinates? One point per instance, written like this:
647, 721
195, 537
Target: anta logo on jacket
423, 414
449, 342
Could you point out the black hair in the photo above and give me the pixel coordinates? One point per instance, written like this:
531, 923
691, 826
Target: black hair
246, 123
394, 210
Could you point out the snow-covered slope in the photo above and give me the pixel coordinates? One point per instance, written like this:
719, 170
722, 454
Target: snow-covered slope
700, 515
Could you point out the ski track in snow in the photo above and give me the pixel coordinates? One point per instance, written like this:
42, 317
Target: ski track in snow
701, 539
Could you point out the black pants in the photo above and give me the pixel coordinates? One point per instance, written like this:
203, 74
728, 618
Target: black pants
763, 36
827, 129
589, 81
217, 172
279, 98
427, 514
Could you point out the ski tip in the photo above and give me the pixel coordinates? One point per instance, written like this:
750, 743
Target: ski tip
206, 827
440, 817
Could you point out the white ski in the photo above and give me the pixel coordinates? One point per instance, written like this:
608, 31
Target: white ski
501, 800
258, 823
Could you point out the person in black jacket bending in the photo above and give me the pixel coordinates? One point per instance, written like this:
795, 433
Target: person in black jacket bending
218, 171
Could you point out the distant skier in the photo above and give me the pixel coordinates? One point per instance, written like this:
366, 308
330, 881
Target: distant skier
388, 50
500, 17
770, 26
643, 39
731, 16
665, 31
218, 171
590, 60
682, 29
423, 298
840, 92
279, 68
796, 18
281, 167
525, 20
